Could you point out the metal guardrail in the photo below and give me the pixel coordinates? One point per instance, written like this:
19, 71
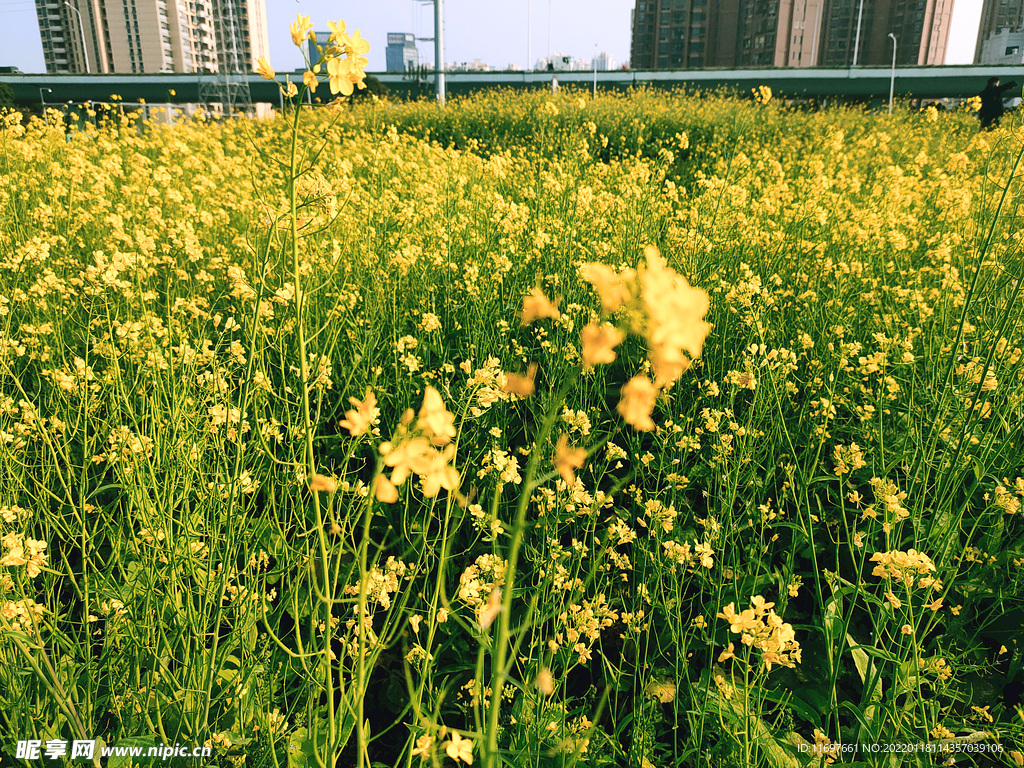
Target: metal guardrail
859, 82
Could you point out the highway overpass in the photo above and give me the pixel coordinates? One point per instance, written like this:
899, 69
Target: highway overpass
855, 83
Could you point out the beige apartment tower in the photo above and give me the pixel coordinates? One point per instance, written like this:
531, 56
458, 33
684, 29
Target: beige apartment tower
142, 36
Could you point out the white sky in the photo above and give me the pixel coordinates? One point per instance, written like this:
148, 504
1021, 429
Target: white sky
963, 31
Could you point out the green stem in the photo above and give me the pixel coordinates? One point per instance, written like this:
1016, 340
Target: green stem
501, 639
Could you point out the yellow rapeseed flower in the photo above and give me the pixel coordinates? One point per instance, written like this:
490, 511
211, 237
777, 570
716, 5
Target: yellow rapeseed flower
423, 745
545, 683
384, 490
523, 386
409, 457
338, 35
637, 403
322, 483
437, 474
537, 306
359, 421
568, 459
300, 29
598, 343
434, 419
340, 72
675, 318
460, 749
264, 69
612, 287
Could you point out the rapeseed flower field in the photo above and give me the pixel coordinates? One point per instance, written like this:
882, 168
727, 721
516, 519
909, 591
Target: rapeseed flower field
646, 430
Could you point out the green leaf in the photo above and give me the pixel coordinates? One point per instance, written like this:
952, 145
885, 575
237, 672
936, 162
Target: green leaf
300, 749
833, 625
872, 682
796, 702
860, 659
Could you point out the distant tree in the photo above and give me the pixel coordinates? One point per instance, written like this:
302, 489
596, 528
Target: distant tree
374, 87
6, 96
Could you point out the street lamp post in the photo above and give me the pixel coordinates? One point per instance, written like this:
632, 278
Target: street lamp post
42, 101
595, 70
856, 40
892, 75
81, 28
439, 51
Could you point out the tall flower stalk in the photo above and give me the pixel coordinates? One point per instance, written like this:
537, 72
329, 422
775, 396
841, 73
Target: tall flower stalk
345, 74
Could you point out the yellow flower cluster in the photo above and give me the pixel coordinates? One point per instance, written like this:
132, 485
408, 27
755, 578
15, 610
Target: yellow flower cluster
659, 305
762, 94
24, 551
412, 451
14, 514
344, 75
889, 494
363, 417
480, 586
848, 458
677, 554
761, 628
582, 625
382, 583
905, 566
22, 615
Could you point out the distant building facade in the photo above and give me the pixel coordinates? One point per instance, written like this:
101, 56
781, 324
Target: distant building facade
560, 62
604, 62
693, 34
476, 65
1004, 47
137, 36
997, 15
402, 54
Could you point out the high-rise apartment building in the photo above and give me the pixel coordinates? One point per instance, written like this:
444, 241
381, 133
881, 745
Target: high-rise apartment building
996, 15
768, 33
152, 35
691, 34
921, 29
687, 34
798, 42
672, 34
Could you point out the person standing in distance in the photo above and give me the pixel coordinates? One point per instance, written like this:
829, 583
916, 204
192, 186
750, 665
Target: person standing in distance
992, 103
